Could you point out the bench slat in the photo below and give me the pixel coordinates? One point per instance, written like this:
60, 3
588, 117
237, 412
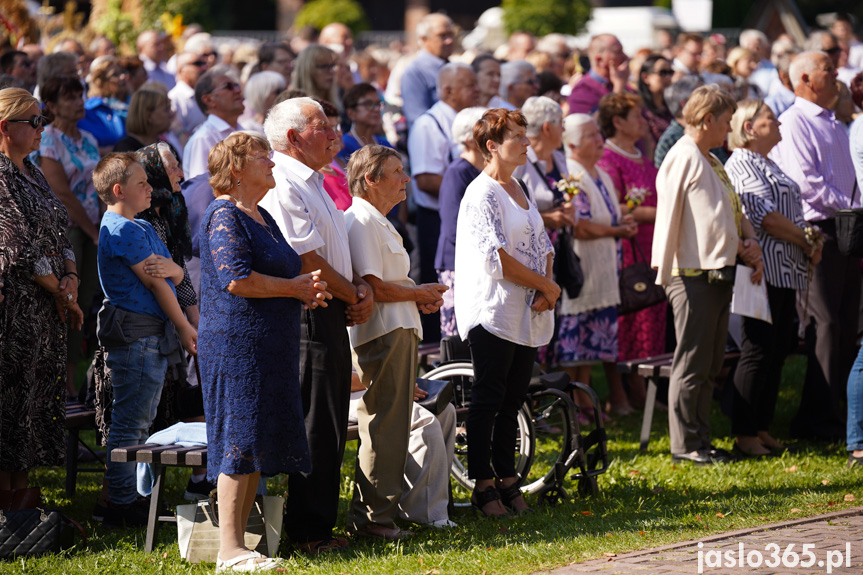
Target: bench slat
177, 455
128, 453
197, 457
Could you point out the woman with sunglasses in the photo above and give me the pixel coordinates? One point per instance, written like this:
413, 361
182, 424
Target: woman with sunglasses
653, 78
315, 73
107, 102
67, 156
37, 267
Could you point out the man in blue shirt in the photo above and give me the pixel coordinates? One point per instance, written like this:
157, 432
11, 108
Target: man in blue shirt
419, 81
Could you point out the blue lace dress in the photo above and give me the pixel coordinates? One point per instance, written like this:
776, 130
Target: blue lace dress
248, 349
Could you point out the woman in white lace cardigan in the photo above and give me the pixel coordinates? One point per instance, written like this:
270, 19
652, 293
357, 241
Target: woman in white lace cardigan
587, 333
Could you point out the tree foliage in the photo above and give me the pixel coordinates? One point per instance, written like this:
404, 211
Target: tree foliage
319, 13
541, 17
119, 25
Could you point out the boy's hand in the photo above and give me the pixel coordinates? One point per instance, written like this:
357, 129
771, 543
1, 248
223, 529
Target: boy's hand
189, 338
162, 267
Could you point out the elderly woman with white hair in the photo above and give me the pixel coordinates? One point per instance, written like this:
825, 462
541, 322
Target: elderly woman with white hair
518, 82
260, 93
385, 347
587, 331
700, 232
456, 179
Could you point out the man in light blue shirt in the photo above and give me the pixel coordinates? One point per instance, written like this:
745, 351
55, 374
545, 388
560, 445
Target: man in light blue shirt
419, 81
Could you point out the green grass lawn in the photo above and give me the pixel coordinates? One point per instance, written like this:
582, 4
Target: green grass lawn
644, 501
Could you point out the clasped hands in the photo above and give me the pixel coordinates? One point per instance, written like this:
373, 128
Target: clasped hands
750, 253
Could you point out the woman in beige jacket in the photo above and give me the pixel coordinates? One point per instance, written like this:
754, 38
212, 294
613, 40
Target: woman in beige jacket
700, 232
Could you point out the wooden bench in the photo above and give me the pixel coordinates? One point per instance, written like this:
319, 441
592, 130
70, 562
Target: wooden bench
78, 417
160, 457
655, 369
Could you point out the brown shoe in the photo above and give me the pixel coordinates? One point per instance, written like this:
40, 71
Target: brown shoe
380, 532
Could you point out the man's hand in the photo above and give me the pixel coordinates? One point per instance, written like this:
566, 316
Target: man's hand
419, 394
361, 311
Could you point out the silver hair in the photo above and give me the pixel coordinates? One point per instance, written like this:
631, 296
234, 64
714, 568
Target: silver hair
447, 74
424, 26
288, 115
815, 41
260, 86
804, 63
573, 128
678, 93
198, 43
462, 126
749, 37
510, 73
539, 110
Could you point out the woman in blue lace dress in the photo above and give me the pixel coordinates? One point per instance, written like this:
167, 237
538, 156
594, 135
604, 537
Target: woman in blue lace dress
249, 333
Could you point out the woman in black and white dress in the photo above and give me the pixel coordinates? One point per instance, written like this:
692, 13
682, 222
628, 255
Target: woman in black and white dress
771, 201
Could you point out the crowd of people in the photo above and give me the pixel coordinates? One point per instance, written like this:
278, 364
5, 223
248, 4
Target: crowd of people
294, 216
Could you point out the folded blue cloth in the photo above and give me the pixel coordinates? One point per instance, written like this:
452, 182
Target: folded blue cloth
184, 434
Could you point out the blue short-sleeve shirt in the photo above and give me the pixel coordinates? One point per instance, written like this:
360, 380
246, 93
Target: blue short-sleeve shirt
124, 243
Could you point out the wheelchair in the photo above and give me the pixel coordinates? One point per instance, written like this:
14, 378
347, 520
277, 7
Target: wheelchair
550, 442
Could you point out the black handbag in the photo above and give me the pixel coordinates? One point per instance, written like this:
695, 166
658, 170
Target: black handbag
35, 532
638, 289
567, 264
849, 229
439, 394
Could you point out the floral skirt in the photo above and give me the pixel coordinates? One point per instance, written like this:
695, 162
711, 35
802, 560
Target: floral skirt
587, 337
447, 310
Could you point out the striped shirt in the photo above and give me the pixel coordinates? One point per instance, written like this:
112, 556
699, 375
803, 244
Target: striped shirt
765, 188
815, 153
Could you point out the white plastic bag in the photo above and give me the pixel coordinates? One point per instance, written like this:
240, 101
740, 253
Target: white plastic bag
750, 299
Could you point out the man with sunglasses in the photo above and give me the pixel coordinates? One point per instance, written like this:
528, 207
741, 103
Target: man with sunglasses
187, 115
221, 98
609, 72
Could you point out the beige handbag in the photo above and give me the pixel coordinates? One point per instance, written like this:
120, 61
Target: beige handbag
198, 528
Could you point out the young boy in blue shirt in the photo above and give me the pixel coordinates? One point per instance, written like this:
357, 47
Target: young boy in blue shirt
137, 321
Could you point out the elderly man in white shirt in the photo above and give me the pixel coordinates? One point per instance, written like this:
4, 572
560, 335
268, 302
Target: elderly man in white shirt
431, 149
221, 98
187, 114
303, 140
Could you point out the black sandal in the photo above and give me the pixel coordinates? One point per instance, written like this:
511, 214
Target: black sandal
508, 495
479, 499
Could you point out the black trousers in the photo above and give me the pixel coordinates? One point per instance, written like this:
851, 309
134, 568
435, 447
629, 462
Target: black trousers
502, 372
830, 325
428, 232
762, 355
312, 506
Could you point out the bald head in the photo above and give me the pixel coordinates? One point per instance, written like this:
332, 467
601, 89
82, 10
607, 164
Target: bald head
436, 35
457, 86
338, 34
151, 44
605, 53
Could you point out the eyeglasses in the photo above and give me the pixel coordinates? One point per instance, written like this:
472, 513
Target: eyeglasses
209, 55
664, 73
534, 81
35, 122
834, 50
325, 67
230, 85
199, 63
370, 104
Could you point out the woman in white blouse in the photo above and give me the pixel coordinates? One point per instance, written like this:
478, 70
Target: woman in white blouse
503, 307
384, 347
771, 201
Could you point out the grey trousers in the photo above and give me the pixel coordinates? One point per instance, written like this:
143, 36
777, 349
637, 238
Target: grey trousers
701, 327
387, 366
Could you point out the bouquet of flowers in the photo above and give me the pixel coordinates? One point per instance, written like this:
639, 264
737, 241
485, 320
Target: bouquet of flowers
634, 198
569, 186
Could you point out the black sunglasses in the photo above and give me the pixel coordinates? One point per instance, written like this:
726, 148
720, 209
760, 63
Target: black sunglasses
834, 50
35, 122
664, 73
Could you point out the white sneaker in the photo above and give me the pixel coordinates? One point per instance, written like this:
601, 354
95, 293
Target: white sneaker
442, 524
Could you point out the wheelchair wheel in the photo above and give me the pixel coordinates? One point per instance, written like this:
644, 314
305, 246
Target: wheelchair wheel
554, 430
463, 372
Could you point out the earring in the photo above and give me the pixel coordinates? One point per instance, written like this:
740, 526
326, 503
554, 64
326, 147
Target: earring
239, 182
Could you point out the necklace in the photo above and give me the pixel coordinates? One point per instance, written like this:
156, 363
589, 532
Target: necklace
251, 214
362, 142
622, 152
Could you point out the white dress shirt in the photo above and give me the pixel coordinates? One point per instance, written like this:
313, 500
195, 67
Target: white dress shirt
158, 72
306, 214
377, 249
188, 115
431, 148
197, 149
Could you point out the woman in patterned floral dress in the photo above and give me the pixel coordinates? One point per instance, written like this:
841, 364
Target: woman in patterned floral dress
40, 288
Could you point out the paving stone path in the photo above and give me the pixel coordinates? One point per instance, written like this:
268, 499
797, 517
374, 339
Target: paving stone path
833, 544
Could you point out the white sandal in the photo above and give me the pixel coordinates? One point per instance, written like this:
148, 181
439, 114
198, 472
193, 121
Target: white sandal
247, 563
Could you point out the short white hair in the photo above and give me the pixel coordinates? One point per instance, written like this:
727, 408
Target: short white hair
260, 86
424, 26
749, 38
447, 75
815, 41
539, 110
573, 128
198, 43
462, 126
803, 63
510, 73
288, 115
